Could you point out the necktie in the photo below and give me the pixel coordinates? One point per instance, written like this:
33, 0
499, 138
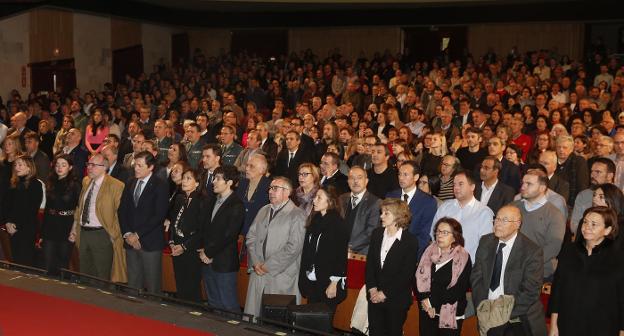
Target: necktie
87, 204
209, 180
137, 192
498, 267
353, 201
264, 244
405, 198
290, 157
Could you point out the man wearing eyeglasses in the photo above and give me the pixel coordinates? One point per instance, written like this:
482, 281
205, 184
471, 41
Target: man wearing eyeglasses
274, 243
96, 229
76, 150
508, 263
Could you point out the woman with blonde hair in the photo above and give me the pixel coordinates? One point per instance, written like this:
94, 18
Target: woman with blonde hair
309, 176
430, 163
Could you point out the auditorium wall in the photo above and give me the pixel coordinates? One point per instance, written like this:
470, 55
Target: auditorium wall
14, 55
92, 51
156, 42
51, 35
211, 41
351, 41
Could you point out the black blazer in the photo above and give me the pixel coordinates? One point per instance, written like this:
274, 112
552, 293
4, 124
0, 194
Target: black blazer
395, 279
120, 172
190, 220
146, 219
510, 174
559, 185
259, 199
575, 171
330, 258
283, 169
220, 234
501, 195
270, 148
339, 181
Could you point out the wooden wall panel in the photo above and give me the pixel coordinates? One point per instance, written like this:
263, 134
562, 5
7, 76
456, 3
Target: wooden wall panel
51, 35
565, 38
350, 41
125, 34
92, 53
14, 55
210, 41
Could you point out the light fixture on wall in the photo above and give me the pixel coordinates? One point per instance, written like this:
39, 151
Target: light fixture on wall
56, 51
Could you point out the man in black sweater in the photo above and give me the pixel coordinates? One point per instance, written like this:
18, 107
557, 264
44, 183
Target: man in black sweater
382, 178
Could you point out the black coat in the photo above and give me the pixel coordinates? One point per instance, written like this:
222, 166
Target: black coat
338, 181
282, 168
63, 196
189, 221
588, 291
220, 234
396, 277
575, 171
121, 173
501, 195
329, 258
259, 199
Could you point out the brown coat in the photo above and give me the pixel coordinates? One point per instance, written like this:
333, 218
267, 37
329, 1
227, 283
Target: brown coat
106, 206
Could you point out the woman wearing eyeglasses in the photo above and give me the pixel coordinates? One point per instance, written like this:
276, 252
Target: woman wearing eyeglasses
309, 177
442, 279
588, 289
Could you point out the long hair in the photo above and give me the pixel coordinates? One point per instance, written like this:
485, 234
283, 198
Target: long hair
53, 179
28, 161
332, 202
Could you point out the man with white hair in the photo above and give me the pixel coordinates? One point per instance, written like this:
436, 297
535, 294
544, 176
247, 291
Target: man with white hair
571, 167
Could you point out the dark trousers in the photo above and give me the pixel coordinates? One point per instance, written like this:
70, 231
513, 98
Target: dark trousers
221, 288
23, 248
187, 270
96, 253
144, 269
430, 326
509, 329
386, 320
56, 255
316, 294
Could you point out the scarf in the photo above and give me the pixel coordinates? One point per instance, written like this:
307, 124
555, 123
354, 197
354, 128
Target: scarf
433, 255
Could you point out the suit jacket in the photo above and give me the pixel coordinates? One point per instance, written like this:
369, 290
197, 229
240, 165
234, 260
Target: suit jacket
229, 155
259, 199
423, 208
523, 277
282, 168
366, 219
559, 185
501, 195
270, 148
339, 181
575, 171
220, 234
80, 156
510, 174
106, 205
189, 222
146, 218
396, 276
120, 172
42, 163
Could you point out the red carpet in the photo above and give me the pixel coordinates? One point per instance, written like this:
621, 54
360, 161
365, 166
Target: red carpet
29, 313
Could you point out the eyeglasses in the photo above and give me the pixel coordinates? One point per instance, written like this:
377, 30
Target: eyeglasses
443, 233
276, 188
505, 220
303, 174
91, 164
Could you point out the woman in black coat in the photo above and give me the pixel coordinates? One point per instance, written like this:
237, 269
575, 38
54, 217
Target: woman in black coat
588, 289
390, 267
62, 194
323, 271
22, 205
184, 226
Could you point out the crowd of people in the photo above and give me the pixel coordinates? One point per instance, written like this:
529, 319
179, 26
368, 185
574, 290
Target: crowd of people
464, 182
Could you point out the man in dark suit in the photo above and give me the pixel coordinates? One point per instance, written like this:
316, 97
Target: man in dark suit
571, 167
360, 209
267, 144
491, 191
147, 125
115, 169
422, 206
142, 211
163, 142
289, 159
509, 263
77, 152
548, 159
219, 253
331, 174
510, 173
42, 162
307, 143
210, 161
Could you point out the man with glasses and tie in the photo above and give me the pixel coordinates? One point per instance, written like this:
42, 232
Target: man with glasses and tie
509, 263
274, 244
142, 211
360, 209
96, 228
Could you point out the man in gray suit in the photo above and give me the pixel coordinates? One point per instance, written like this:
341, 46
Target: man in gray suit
274, 243
509, 263
360, 209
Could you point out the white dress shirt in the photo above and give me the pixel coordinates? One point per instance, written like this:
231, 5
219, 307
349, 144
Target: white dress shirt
387, 243
506, 251
410, 194
486, 192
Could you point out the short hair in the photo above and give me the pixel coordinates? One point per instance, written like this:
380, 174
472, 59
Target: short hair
469, 178
386, 148
187, 169
285, 180
565, 138
497, 164
334, 157
434, 183
455, 227
216, 149
609, 216
542, 178
114, 137
150, 160
260, 155
536, 166
607, 162
194, 125
152, 144
400, 210
296, 134
415, 166
475, 130
30, 135
516, 149
229, 173
314, 169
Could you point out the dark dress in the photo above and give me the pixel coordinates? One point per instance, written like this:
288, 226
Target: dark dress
185, 218
588, 291
22, 205
324, 251
440, 295
61, 201
430, 164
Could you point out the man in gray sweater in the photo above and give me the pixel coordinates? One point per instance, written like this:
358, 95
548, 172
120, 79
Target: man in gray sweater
542, 222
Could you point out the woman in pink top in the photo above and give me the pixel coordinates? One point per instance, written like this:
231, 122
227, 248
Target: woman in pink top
96, 131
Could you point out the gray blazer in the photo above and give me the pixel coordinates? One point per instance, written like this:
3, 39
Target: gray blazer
366, 220
284, 241
523, 276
